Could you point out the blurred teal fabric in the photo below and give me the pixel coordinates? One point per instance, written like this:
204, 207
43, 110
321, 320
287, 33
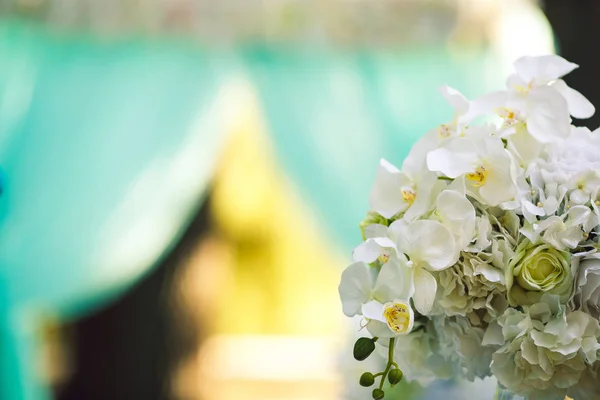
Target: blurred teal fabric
106, 151
107, 148
333, 115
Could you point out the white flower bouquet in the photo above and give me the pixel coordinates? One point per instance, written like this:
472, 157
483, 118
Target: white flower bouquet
481, 254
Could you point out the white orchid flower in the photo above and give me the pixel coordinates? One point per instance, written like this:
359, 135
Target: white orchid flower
430, 246
482, 161
382, 300
537, 100
464, 113
541, 110
377, 246
398, 191
537, 93
456, 213
535, 72
461, 107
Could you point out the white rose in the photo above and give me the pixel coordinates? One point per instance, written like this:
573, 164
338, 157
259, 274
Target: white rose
537, 269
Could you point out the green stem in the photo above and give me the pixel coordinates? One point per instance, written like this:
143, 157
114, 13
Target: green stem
389, 363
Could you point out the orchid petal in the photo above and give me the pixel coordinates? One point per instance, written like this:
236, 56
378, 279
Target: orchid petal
543, 69
425, 290
457, 157
579, 106
456, 99
458, 215
380, 329
386, 195
486, 104
376, 231
426, 187
547, 120
395, 280
373, 310
367, 252
355, 288
428, 242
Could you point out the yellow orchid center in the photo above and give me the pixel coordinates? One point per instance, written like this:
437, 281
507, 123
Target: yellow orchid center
398, 317
408, 195
505, 112
523, 89
510, 116
384, 257
478, 177
444, 131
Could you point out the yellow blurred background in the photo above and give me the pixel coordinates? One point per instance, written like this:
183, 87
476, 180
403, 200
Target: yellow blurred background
265, 283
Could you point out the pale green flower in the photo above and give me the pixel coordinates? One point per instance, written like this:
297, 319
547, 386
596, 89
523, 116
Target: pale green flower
538, 269
542, 268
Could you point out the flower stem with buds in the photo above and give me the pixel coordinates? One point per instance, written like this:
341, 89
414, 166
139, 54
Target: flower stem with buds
389, 363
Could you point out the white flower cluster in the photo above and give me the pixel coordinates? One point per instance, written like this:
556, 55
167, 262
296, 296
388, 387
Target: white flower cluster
481, 254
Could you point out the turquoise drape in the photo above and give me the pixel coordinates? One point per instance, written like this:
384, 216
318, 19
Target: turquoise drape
107, 147
333, 115
106, 150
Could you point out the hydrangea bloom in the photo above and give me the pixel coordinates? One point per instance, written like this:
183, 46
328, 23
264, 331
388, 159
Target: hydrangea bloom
480, 254
418, 355
546, 349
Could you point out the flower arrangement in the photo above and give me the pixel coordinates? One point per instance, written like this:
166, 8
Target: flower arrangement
481, 254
